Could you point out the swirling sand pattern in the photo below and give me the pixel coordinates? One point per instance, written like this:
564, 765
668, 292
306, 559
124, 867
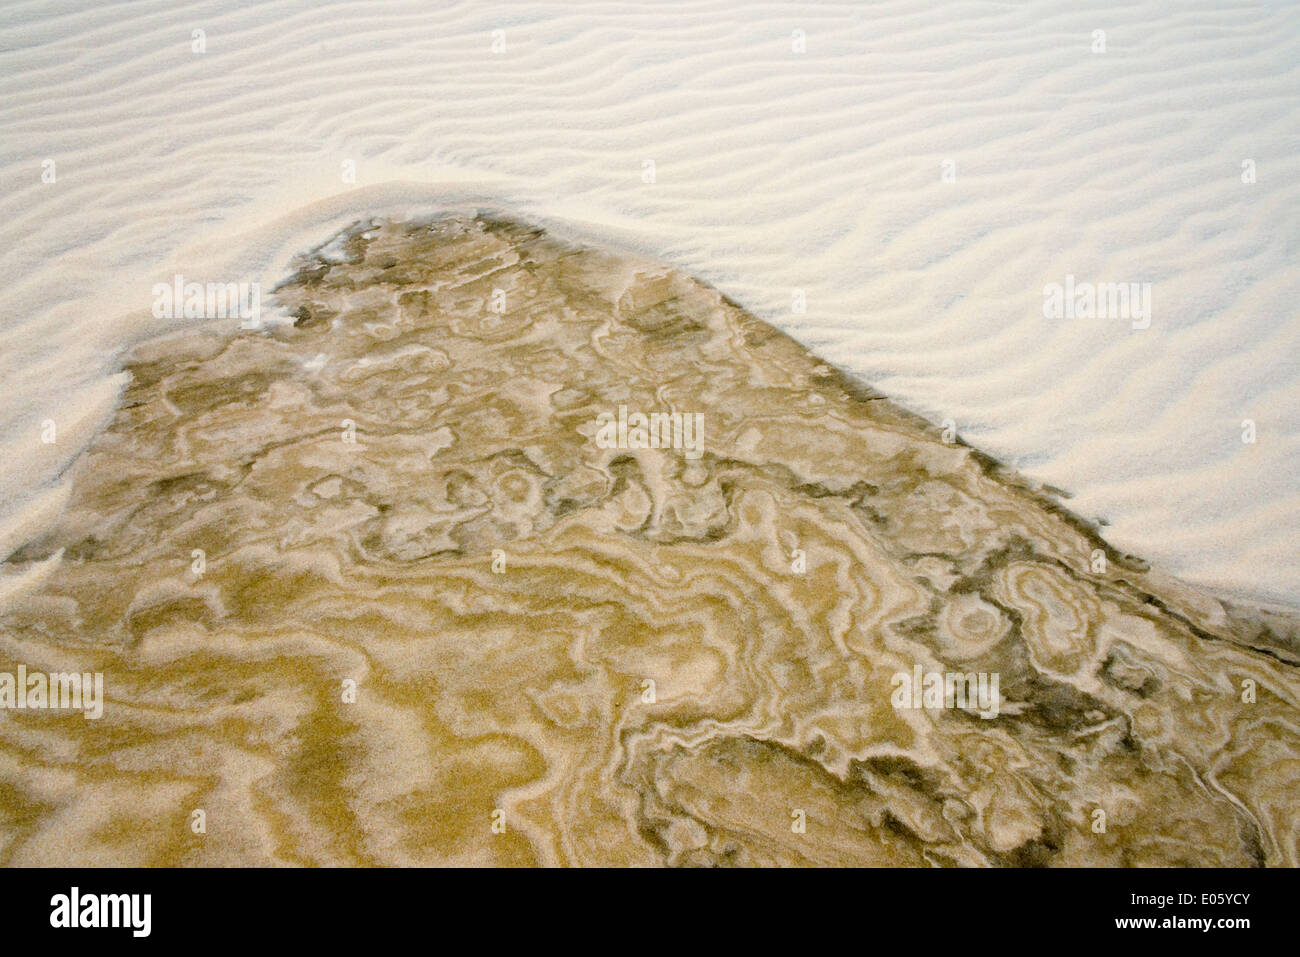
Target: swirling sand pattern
522, 688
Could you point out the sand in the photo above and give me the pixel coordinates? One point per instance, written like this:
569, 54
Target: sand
775, 171
367, 589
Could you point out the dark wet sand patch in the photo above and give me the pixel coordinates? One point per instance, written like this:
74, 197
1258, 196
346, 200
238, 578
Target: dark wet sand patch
405, 490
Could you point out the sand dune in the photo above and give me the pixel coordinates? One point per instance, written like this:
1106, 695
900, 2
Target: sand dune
774, 171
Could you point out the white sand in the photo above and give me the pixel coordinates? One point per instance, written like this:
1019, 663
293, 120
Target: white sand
775, 171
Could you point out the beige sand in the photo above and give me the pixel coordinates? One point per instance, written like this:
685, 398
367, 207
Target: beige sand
824, 542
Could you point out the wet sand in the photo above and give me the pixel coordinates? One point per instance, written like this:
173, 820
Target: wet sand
369, 590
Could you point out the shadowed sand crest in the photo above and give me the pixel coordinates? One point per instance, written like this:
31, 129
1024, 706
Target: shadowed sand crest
618, 648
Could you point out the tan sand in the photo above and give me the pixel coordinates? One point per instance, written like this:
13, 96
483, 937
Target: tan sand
571, 654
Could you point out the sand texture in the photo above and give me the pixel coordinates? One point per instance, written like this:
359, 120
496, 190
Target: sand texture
614, 655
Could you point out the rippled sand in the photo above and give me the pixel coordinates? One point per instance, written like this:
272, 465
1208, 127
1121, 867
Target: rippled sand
615, 656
